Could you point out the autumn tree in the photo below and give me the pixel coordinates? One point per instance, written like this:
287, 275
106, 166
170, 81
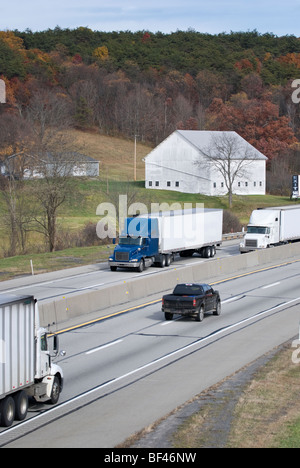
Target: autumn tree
256, 120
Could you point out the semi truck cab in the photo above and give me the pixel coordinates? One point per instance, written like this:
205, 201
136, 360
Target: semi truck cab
138, 245
133, 252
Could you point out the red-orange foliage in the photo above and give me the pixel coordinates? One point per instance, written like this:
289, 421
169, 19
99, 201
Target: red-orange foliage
257, 121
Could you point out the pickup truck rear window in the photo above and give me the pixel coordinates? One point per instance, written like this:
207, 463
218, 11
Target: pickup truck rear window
188, 290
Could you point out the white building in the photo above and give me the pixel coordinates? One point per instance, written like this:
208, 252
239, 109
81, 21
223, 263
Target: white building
187, 161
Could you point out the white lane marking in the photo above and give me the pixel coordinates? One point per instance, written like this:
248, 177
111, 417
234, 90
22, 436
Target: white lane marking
95, 350
134, 371
231, 299
270, 285
47, 283
169, 322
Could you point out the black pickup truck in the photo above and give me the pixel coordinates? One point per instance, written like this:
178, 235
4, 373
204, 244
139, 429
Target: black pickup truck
192, 300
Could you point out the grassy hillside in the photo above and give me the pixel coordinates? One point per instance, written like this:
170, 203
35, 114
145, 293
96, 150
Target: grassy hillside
116, 158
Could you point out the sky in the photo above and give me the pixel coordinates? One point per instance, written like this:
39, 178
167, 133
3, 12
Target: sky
207, 16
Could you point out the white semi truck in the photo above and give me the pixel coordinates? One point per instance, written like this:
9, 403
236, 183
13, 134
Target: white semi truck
26, 367
155, 239
269, 227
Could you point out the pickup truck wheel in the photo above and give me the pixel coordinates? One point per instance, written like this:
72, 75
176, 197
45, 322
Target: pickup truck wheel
200, 314
218, 309
21, 405
7, 412
168, 316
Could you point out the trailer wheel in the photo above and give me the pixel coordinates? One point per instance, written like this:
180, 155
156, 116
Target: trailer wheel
207, 252
7, 412
21, 405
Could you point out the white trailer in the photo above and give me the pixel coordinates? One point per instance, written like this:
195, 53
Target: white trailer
189, 231
26, 368
270, 227
156, 238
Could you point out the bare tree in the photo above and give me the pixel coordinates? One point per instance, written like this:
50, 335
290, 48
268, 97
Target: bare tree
15, 140
230, 155
55, 169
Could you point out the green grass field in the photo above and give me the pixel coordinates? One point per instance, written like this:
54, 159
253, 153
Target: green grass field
116, 177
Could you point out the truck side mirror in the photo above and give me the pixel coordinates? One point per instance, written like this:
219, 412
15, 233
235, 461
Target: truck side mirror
55, 343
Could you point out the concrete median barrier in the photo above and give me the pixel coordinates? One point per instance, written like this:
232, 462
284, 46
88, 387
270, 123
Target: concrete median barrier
69, 307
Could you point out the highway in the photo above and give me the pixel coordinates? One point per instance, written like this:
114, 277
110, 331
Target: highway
49, 286
125, 372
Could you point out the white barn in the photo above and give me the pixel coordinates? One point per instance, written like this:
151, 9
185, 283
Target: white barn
187, 160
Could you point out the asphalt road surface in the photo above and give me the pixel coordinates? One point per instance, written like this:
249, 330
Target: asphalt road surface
124, 373
50, 286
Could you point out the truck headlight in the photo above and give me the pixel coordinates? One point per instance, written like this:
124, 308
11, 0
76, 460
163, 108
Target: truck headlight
134, 260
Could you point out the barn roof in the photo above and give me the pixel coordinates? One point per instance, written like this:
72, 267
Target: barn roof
202, 140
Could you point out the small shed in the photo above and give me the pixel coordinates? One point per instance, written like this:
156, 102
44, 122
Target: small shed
71, 164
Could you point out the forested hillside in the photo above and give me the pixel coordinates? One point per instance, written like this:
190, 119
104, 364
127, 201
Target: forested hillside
131, 85
145, 84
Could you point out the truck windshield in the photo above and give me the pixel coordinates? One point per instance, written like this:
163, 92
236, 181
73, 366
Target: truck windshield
130, 241
258, 230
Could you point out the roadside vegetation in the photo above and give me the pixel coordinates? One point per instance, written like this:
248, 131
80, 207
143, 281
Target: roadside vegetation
267, 414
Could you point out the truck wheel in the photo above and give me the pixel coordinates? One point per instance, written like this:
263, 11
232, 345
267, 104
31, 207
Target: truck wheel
207, 252
162, 263
168, 316
141, 267
168, 260
21, 405
113, 268
200, 314
7, 412
55, 391
218, 309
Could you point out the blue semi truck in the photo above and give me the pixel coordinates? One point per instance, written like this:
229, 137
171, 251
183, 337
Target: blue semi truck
155, 239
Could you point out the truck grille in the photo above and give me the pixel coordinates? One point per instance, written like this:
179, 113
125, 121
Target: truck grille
251, 243
122, 256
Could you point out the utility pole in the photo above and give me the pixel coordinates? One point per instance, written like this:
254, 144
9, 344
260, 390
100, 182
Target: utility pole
134, 160
2, 92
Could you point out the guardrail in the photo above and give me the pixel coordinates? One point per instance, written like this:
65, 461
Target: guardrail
233, 235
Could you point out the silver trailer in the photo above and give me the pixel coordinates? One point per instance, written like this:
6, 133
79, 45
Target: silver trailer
26, 367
